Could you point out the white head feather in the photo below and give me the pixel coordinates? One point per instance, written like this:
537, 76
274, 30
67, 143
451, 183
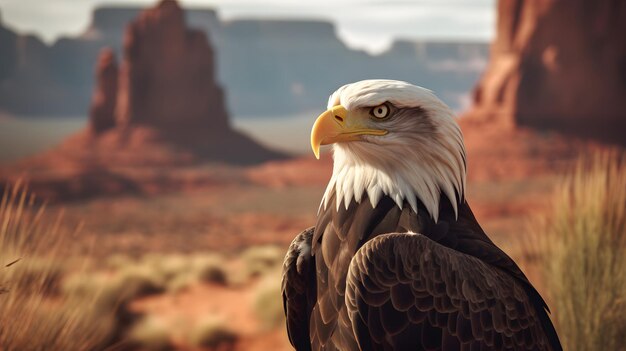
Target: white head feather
421, 157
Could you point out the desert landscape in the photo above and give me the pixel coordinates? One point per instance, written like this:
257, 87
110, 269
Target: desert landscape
158, 225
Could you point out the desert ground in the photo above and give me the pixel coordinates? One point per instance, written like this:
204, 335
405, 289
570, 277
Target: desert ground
191, 258
232, 217
244, 222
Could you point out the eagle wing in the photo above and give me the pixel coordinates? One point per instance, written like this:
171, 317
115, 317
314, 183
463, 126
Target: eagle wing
407, 292
298, 289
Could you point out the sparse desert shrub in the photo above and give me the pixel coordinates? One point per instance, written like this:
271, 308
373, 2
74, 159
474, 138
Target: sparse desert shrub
111, 293
30, 320
210, 268
181, 282
169, 266
582, 244
150, 334
179, 272
261, 259
119, 261
141, 280
268, 304
158, 272
133, 282
213, 333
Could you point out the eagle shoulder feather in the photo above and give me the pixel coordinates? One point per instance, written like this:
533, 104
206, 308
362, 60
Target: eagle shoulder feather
439, 299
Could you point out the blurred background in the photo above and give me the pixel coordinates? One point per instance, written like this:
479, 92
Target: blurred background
276, 62
155, 162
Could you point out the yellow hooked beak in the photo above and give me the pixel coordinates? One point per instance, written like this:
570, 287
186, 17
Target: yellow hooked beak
337, 125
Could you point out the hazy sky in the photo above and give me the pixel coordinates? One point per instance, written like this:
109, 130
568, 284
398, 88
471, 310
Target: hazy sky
367, 24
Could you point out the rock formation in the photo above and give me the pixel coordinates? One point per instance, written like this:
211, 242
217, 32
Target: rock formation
153, 119
8, 48
166, 87
168, 78
560, 65
104, 101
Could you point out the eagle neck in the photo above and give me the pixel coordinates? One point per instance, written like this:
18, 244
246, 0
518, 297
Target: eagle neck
402, 179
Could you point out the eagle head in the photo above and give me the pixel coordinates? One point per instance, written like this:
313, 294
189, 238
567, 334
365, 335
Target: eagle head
391, 138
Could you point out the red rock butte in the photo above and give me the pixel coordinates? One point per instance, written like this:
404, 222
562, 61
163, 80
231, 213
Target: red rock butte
557, 65
167, 78
554, 88
163, 91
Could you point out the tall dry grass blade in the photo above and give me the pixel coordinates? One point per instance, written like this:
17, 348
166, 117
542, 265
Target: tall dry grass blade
32, 256
582, 246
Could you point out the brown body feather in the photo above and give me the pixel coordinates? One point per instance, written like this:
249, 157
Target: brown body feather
350, 285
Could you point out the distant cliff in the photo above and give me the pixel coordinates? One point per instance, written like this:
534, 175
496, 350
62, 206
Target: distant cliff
259, 62
559, 65
8, 48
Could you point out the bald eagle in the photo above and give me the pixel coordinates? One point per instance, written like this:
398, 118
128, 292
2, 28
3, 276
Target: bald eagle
397, 260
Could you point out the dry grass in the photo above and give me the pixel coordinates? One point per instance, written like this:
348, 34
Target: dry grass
150, 334
53, 301
268, 303
167, 267
259, 260
30, 253
210, 268
41, 272
582, 249
136, 281
112, 293
178, 272
212, 333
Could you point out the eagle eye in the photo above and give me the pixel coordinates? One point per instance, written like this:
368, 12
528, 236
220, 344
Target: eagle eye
380, 111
